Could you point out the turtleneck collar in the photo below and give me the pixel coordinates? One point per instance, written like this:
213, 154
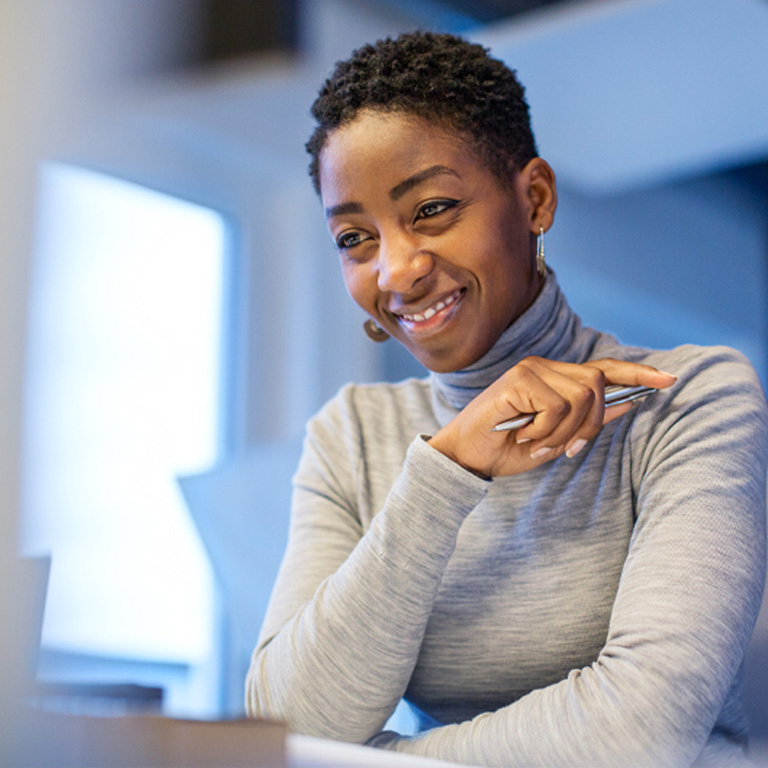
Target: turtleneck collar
548, 328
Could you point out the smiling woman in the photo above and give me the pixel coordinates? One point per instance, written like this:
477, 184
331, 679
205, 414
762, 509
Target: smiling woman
576, 591
433, 246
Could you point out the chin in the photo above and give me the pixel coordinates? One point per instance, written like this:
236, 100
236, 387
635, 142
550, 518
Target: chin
445, 363
452, 357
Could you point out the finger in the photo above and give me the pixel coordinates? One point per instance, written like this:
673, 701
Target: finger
612, 412
624, 372
584, 389
578, 413
523, 391
615, 411
588, 376
594, 420
617, 371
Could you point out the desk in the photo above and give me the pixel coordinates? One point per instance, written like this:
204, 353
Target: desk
39, 739
309, 752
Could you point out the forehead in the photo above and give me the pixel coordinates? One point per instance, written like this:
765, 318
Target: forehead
384, 148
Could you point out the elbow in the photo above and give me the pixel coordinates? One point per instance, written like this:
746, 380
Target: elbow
254, 696
657, 719
259, 700
273, 692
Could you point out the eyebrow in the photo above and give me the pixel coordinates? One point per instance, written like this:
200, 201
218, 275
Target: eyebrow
396, 192
342, 209
412, 181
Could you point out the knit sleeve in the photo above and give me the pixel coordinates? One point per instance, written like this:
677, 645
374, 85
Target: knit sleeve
349, 608
686, 604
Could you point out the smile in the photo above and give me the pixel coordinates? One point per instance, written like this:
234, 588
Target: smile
430, 312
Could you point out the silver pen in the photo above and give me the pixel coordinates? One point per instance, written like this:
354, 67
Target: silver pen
616, 394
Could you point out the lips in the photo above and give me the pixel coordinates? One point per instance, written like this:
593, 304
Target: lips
432, 310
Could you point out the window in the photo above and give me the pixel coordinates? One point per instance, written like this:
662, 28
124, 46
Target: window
123, 394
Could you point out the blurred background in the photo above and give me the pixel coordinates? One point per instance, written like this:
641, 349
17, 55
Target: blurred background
172, 310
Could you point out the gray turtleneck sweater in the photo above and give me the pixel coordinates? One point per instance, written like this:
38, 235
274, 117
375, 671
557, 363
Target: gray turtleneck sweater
593, 611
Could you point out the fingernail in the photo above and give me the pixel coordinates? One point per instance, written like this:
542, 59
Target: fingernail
575, 448
521, 440
539, 452
671, 375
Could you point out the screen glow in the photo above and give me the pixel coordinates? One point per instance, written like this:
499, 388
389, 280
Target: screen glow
122, 396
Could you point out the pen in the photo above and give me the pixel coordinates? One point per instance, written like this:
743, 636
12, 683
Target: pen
614, 395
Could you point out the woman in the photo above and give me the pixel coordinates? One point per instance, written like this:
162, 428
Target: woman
578, 591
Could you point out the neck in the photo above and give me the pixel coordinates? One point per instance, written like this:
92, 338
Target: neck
548, 328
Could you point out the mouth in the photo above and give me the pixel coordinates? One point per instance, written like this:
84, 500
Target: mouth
432, 315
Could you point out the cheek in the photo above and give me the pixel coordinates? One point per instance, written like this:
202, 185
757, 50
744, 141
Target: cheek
361, 286
509, 261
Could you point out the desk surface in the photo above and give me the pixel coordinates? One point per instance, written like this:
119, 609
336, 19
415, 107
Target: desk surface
309, 752
31, 737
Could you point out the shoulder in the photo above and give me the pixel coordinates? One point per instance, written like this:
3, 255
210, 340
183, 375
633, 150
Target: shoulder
703, 373
717, 401
719, 376
715, 415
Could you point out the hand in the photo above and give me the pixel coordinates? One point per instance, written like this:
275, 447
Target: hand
568, 400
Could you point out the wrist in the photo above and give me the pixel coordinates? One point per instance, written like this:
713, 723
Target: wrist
441, 445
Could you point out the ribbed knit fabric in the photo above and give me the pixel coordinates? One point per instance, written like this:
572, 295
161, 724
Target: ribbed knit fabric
593, 611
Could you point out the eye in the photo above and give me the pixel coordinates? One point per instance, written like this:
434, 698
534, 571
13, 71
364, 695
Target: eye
349, 239
434, 207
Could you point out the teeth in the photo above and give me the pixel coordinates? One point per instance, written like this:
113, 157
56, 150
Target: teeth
433, 310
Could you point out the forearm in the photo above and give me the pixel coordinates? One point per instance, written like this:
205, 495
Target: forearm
685, 607
681, 623
339, 664
580, 721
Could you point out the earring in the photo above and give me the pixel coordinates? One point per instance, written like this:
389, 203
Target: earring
541, 264
374, 331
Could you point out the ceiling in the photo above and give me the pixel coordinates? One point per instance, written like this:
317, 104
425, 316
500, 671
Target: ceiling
642, 91
493, 10
236, 28
624, 94
480, 11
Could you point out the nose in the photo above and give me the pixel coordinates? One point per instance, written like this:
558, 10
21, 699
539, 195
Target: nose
401, 263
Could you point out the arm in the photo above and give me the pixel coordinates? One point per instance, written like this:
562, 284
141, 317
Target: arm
685, 607
348, 610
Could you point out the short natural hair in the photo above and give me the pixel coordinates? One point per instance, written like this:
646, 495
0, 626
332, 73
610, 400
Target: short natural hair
437, 77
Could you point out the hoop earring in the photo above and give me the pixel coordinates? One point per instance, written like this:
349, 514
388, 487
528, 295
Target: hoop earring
374, 332
541, 264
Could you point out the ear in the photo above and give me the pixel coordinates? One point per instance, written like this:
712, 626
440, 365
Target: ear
539, 194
